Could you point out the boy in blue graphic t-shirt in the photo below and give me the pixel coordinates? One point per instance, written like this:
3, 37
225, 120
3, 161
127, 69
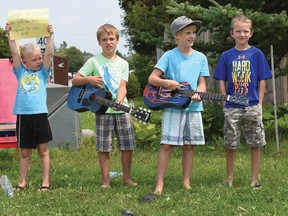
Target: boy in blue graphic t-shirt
243, 69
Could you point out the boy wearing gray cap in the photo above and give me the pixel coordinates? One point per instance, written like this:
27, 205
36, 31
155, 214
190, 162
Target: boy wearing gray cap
181, 127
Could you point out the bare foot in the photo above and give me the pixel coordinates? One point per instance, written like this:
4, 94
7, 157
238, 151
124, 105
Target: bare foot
105, 183
159, 188
130, 183
188, 187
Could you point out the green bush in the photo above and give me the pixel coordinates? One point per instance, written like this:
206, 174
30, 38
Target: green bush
213, 121
133, 87
269, 121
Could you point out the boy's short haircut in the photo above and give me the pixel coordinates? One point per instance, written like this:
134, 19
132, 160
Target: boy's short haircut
28, 48
241, 18
110, 29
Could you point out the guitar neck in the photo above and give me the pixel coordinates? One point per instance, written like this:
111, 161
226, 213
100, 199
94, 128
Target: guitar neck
206, 95
109, 103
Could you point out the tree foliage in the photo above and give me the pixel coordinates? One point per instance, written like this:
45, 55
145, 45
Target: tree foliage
144, 24
142, 65
4, 45
75, 58
133, 87
146, 20
269, 29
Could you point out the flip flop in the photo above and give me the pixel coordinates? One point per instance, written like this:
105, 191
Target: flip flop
105, 186
44, 188
19, 188
148, 198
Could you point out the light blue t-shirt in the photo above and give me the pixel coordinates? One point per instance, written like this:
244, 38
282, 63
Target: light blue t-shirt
181, 68
112, 72
31, 97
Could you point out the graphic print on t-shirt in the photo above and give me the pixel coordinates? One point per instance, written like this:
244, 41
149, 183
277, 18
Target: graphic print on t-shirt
29, 84
241, 74
110, 81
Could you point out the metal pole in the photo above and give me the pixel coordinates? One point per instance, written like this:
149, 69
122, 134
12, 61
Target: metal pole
274, 98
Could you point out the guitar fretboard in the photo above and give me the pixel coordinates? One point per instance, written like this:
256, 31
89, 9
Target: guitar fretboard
109, 103
206, 95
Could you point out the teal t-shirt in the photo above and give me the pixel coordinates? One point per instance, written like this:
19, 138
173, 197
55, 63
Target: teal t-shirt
112, 72
31, 91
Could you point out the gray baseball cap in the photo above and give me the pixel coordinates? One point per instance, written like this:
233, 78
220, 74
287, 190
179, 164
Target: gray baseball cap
183, 21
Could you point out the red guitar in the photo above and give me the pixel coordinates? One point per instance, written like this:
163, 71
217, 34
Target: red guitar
157, 98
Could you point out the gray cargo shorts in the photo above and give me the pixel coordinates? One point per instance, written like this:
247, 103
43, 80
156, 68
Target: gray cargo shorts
250, 118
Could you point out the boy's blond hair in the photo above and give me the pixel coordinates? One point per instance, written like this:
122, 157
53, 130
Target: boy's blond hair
28, 48
241, 18
110, 29
189, 27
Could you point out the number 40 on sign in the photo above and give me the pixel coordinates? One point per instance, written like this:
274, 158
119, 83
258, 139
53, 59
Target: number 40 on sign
41, 42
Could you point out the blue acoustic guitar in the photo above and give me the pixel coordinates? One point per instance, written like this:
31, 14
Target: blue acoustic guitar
90, 98
157, 98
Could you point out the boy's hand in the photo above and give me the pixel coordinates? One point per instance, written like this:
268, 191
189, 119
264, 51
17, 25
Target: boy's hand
196, 98
173, 85
7, 28
50, 29
96, 81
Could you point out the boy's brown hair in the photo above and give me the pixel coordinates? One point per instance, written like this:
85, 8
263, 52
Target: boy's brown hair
110, 29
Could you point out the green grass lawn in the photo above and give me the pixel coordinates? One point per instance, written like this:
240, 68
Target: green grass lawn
76, 182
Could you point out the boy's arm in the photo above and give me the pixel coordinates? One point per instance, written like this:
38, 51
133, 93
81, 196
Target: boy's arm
121, 92
200, 88
156, 80
201, 84
49, 49
80, 80
222, 90
262, 86
14, 48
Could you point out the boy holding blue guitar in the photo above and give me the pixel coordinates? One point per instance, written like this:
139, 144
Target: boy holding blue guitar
181, 126
109, 71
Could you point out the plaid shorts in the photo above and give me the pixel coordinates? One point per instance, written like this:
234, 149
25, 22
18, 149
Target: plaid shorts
121, 124
180, 128
251, 120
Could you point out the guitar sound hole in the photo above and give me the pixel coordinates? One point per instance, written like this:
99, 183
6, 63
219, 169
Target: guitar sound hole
92, 97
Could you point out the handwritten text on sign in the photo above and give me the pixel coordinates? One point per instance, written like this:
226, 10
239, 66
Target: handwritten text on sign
28, 23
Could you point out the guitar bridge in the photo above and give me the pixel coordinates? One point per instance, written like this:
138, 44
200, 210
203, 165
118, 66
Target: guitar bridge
81, 94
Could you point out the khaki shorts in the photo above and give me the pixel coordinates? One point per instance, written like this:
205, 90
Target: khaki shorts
250, 118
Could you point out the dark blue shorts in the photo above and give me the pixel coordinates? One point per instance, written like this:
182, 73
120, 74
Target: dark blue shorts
33, 130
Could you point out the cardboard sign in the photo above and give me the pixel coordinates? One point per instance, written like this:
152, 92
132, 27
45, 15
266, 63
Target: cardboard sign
28, 23
8, 88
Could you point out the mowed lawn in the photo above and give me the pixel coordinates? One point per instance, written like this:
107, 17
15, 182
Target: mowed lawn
76, 183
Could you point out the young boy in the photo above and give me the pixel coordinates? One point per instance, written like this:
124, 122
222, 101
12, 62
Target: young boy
32, 126
107, 70
243, 69
180, 64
